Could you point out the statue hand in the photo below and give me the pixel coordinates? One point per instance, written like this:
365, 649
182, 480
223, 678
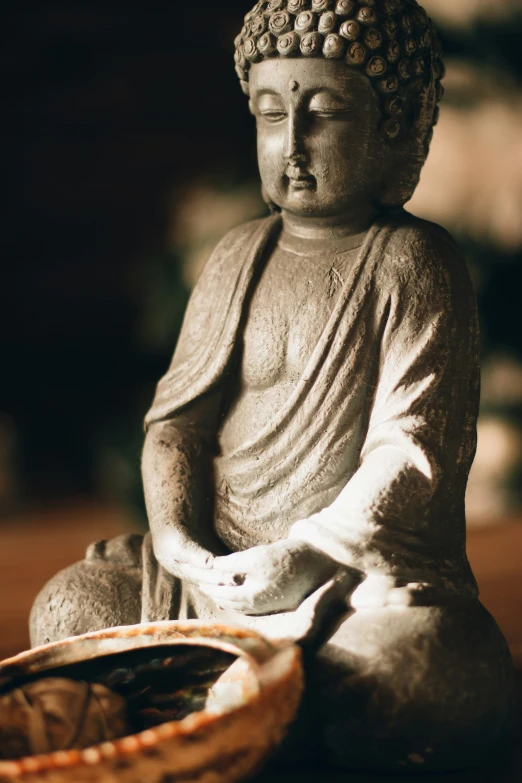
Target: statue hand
182, 557
267, 579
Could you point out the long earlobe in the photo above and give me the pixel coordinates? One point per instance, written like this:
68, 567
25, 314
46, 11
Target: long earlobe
274, 209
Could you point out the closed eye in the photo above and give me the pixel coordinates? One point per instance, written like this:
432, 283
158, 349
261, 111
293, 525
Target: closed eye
273, 115
331, 114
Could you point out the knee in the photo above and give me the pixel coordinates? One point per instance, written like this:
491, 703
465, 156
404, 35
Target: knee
428, 688
88, 596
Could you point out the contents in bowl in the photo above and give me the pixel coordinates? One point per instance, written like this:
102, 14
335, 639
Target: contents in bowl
108, 697
164, 686
159, 685
56, 713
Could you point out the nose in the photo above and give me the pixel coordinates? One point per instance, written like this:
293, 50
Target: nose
294, 153
296, 159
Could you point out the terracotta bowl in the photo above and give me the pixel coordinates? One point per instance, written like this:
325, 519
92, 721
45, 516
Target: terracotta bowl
223, 742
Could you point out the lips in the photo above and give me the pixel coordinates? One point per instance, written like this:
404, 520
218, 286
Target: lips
300, 178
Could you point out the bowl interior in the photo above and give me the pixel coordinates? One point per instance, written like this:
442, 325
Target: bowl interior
159, 685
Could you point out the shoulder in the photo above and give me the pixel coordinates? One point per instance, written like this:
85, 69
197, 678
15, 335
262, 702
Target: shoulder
221, 272
414, 242
421, 257
229, 253
240, 234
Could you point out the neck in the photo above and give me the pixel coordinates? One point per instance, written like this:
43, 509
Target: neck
335, 227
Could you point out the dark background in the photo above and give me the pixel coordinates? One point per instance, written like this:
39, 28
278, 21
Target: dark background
107, 107
110, 110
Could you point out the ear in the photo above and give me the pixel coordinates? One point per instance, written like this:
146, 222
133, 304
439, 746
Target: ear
274, 209
408, 153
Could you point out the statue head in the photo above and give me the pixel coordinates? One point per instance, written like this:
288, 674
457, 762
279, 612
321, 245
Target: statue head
366, 74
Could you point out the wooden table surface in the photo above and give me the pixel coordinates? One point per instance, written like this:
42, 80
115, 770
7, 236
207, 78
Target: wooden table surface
35, 545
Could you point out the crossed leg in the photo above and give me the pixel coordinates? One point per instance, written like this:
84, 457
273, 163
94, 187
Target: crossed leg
102, 591
425, 687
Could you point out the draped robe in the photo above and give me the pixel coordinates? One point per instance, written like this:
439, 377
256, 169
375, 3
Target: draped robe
368, 459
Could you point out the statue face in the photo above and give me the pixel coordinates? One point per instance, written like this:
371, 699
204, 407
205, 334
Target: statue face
319, 148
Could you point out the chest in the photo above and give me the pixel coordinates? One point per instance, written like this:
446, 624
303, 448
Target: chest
288, 312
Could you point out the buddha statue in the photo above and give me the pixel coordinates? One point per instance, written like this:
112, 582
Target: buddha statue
307, 453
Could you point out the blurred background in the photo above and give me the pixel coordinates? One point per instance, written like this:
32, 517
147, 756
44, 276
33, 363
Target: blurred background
128, 151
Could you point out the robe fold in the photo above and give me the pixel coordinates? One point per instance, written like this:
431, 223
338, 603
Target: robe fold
368, 459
